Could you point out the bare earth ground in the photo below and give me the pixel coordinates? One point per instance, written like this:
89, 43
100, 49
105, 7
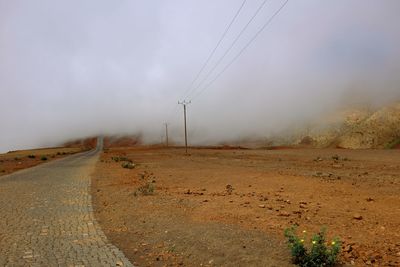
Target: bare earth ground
18, 160
193, 218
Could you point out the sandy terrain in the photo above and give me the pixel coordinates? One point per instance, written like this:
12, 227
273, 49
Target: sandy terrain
22, 159
229, 207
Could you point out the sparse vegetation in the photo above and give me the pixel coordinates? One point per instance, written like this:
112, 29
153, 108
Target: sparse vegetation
393, 144
338, 158
44, 158
145, 190
315, 254
31, 156
120, 158
128, 165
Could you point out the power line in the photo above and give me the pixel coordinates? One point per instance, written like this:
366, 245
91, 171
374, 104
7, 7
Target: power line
230, 47
215, 49
242, 50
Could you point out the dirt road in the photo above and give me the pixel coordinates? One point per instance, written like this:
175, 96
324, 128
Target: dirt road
47, 218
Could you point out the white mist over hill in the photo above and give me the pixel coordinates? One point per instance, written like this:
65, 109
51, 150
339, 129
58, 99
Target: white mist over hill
71, 69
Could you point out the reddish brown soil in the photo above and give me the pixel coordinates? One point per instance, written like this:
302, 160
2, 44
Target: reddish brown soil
193, 219
22, 159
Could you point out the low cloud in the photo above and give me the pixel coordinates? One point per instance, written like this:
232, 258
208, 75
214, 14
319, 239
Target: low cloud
70, 69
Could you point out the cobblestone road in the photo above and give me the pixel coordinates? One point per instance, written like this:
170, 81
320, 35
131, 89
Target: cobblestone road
47, 219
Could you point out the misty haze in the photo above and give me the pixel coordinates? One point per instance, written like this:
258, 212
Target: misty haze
199, 133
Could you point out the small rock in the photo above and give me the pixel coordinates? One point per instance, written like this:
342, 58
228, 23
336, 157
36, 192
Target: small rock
284, 214
357, 217
370, 199
261, 206
119, 263
229, 189
348, 249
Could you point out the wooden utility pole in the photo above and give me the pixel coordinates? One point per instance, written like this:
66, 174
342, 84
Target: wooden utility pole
184, 103
166, 134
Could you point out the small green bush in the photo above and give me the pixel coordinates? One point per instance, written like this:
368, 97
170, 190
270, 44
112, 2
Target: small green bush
118, 159
31, 156
394, 143
44, 158
317, 254
145, 190
128, 165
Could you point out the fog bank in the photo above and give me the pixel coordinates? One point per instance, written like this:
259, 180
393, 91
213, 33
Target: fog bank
71, 69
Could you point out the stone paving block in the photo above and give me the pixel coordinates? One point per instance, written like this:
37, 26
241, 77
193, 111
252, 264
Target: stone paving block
48, 217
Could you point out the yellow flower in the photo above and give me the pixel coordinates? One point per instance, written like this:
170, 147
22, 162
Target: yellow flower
314, 242
304, 231
302, 240
333, 243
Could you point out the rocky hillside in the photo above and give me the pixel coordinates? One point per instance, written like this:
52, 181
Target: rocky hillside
357, 128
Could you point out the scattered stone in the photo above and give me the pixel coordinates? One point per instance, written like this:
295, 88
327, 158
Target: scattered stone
229, 189
318, 159
348, 249
261, 206
302, 206
284, 214
119, 263
357, 217
370, 199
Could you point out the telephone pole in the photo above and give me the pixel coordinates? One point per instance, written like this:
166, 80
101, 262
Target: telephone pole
166, 133
184, 103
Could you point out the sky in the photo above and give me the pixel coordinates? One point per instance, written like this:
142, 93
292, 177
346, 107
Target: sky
70, 69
